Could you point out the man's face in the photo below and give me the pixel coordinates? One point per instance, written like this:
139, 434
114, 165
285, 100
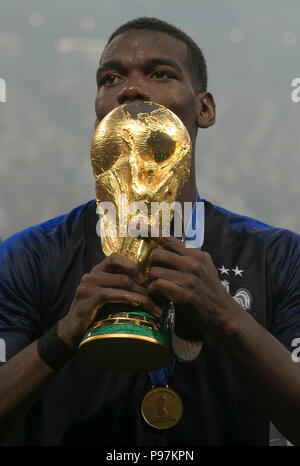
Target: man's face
141, 65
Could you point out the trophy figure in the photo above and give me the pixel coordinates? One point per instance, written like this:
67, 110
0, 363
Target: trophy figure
140, 154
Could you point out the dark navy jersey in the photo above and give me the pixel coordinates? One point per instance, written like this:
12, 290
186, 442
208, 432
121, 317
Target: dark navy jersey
40, 269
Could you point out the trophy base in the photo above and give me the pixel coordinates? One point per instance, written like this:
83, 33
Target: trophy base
127, 342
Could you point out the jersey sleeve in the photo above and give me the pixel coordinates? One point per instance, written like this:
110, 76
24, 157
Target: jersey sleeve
27, 265
19, 294
286, 315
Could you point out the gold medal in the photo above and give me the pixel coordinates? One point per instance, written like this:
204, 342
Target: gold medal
162, 407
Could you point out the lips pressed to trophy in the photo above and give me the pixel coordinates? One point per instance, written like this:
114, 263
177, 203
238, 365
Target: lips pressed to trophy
141, 155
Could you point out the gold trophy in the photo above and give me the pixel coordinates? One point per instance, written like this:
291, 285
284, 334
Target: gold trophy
140, 154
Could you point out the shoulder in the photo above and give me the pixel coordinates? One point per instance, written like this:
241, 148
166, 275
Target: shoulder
35, 251
282, 245
268, 233
44, 237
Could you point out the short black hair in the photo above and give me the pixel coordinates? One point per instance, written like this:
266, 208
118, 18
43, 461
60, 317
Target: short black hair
196, 60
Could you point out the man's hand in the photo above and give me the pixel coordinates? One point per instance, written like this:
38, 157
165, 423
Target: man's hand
188, 277
115, 280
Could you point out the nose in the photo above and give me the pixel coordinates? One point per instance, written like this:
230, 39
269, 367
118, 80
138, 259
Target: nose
132, 90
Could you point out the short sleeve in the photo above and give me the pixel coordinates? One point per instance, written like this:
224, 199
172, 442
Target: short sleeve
19, 294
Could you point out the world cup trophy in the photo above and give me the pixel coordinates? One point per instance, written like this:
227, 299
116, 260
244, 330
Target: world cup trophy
141, 155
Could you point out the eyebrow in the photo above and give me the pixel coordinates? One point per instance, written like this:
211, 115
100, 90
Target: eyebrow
112, 64
163, 61
117, 64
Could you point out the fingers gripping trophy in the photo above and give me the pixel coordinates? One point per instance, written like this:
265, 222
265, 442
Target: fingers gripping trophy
141, 155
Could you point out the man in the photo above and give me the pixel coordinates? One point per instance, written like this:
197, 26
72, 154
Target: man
55, 272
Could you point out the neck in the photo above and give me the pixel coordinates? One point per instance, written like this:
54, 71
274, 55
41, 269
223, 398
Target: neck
189, 191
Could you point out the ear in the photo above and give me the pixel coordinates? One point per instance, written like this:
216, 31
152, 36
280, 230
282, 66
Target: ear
206, 110
96, 123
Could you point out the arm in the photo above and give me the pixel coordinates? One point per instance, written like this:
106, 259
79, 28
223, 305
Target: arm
188, 277
22, 378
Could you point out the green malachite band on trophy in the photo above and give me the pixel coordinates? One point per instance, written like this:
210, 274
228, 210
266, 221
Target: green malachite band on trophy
130, 340
126, 329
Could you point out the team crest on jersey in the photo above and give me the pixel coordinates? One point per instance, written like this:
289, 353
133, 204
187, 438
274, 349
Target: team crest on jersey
242, 295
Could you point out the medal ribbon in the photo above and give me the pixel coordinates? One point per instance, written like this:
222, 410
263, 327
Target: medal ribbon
160, 377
